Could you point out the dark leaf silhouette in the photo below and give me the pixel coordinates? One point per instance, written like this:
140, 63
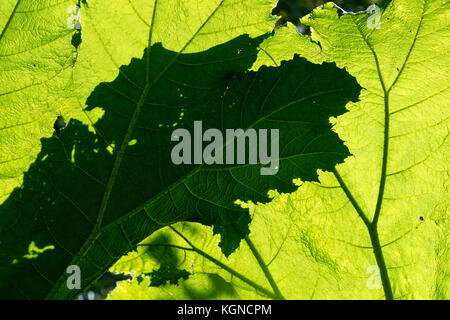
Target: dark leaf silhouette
95, 196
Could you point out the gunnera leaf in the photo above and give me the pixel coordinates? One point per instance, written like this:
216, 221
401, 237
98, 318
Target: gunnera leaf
312, 241
95, 191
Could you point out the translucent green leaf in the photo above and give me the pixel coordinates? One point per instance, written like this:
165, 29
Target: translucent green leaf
318, 242
130, 76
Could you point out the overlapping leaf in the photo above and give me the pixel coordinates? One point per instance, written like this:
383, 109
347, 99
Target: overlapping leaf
107, 181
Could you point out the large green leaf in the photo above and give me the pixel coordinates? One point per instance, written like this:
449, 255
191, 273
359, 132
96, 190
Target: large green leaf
107, 181
402, 123
314, 241
36, 60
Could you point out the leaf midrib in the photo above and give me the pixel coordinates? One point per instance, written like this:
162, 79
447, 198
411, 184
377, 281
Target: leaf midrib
372, 225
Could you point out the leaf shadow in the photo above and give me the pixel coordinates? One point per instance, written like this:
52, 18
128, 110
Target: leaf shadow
64, 189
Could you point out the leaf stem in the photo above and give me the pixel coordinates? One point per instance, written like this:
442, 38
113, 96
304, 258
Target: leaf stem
381, 263
372, 226
384, 161
373, 230
264, 268
351, 198
227, 268
373, 233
